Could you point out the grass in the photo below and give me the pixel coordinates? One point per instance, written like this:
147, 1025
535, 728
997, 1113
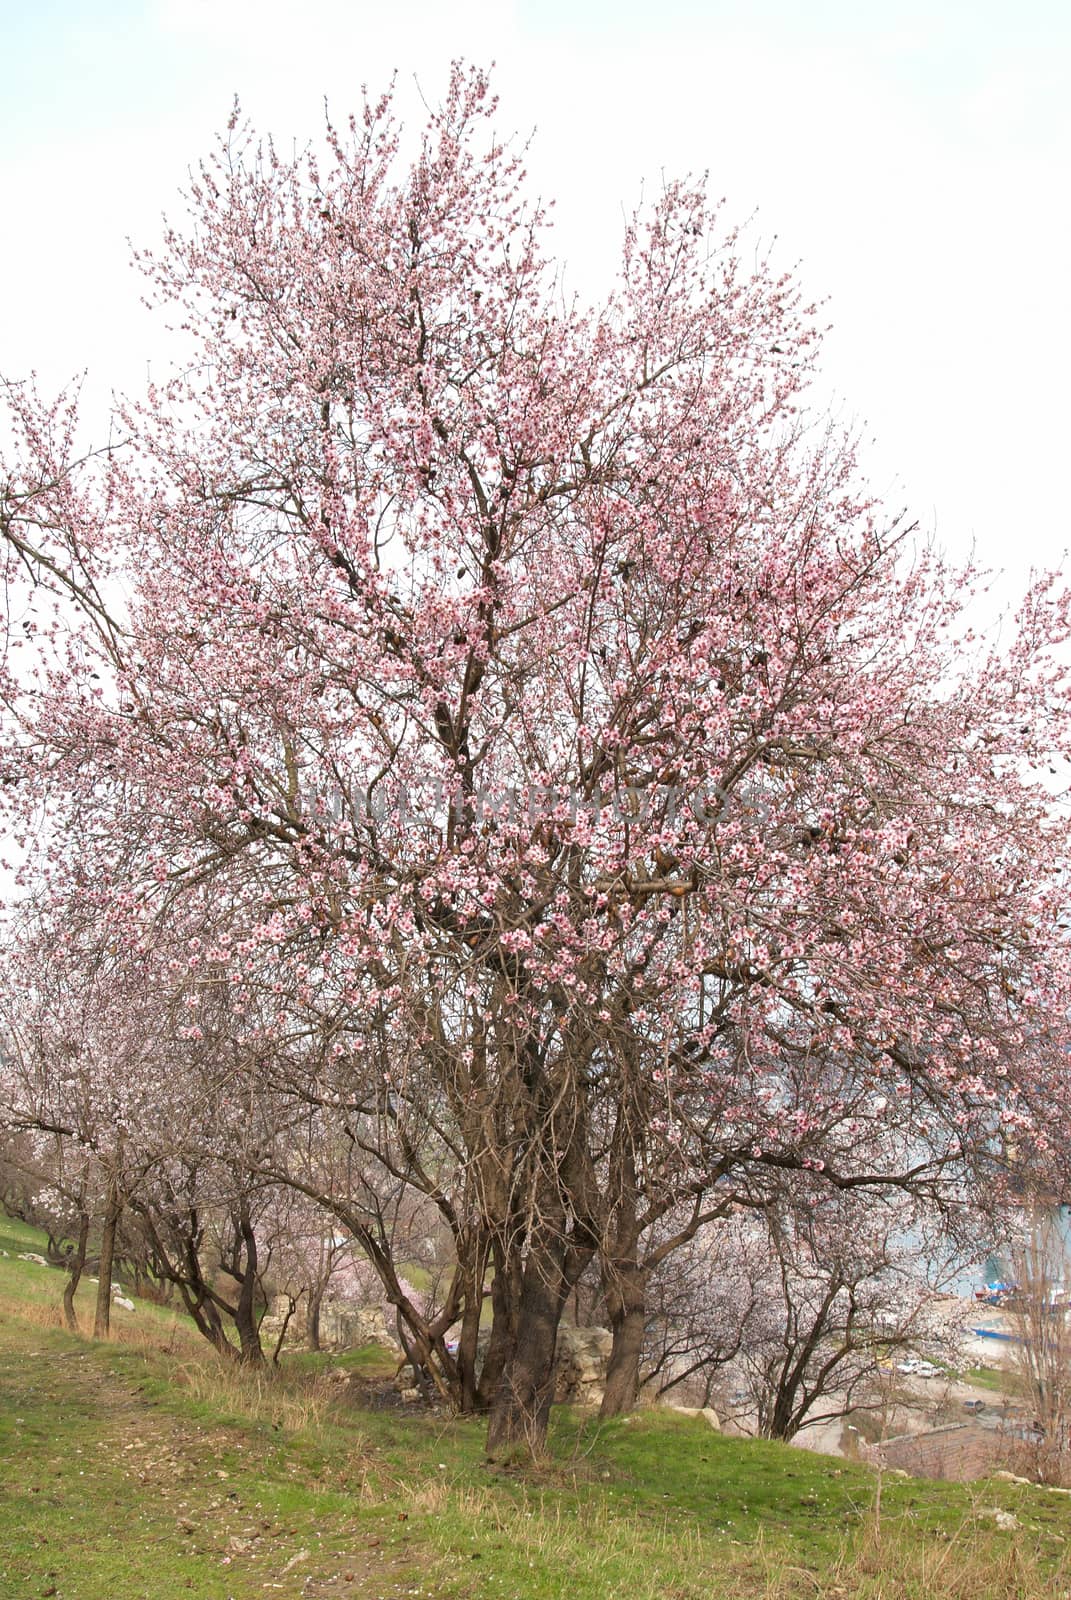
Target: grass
989, 1378
144, 1466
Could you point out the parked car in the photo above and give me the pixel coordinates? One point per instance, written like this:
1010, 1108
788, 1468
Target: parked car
913, 1367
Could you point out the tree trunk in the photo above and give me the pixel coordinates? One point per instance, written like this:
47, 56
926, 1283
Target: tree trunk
626, 1305
207, 1320
505, 1296
103, 1312
521, 1409
245, 1317
783, 1422
312, 1317
468, 1340
624, 1281
78, 1261
291, 1307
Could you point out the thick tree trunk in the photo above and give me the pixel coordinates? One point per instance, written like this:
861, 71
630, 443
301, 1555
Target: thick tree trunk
521, 1409
625, 1299
78, 1261
103, 1312
554, 1261
781, 1422
624, 1280
245, 1323
505, 1298
467, 1357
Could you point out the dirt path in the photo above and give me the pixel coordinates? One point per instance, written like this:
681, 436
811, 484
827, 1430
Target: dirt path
110, 1492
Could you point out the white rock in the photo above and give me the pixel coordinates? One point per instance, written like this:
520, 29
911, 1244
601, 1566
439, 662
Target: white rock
1005, 1520
121, 1300
29, 1255
581, 1362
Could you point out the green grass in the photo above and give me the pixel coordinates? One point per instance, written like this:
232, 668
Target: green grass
145, 1467
988, 1378
371, 1361
38, 1290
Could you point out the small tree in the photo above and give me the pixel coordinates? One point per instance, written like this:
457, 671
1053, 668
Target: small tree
1040, 1314
801, 1302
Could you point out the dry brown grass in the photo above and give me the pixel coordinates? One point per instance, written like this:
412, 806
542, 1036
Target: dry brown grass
261, 1396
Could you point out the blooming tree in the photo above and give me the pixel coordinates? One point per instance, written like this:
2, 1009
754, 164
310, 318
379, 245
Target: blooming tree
531, 689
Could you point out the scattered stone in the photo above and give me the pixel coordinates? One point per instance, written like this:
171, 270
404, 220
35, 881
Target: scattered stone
410, 1395
121, 1300
29, 1255
1006, 1521
1009, 1477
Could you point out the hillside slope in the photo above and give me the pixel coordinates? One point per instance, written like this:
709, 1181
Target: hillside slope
141, 1468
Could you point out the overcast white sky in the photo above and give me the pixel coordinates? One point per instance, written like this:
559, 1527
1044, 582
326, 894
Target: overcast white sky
912, 157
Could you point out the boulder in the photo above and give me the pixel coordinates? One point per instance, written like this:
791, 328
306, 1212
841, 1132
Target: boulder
347, 1327
582, 1358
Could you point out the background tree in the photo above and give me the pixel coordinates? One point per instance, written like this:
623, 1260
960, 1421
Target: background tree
1040, 1313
